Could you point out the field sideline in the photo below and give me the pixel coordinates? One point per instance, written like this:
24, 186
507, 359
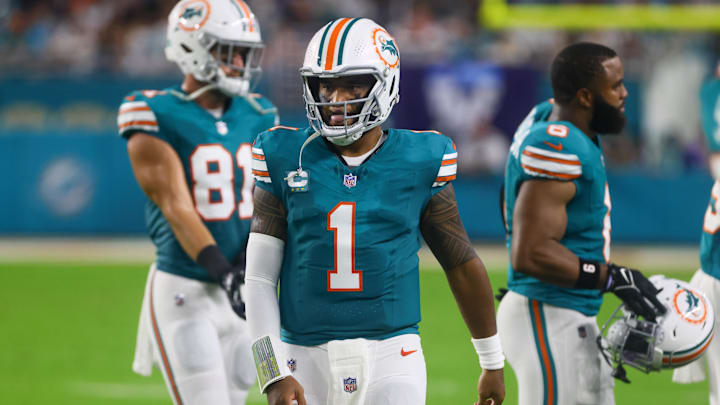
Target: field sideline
71, 310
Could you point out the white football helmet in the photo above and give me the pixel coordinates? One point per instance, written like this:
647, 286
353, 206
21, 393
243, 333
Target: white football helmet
348, 47
678, 337
205, 35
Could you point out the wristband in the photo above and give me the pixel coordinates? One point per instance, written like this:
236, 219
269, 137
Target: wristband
269, 361
214, 262
589, 275
489, 352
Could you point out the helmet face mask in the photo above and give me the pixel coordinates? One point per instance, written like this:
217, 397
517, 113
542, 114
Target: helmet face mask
678, 337
359, 114
364, 49
205, 36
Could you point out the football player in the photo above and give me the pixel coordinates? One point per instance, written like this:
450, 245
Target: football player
557, 210
340, 208
190, 149
706, 278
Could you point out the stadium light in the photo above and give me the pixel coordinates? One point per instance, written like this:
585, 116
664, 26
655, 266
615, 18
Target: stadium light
498, 14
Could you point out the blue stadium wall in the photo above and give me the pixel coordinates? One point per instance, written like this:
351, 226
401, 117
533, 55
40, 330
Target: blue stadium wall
66, 172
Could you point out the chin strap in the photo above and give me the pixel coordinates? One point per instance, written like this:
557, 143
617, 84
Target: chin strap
195, 94
299, 172
257, 107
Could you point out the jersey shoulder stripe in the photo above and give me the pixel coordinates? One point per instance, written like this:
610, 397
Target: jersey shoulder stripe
259, 165
448, 169
136, 115
543, 163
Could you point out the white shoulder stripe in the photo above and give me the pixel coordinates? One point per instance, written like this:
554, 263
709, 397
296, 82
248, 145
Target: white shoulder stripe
263, 179
259, 165
258, 151
554, 167
556, 155
447, 170
450, 156
132, 104
439, 184
136, 116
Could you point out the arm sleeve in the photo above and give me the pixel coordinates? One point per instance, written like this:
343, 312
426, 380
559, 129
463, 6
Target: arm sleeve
135, 115
447, 171
264, 261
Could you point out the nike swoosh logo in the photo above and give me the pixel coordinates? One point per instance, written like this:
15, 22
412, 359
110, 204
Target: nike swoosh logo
557, 147
404, 353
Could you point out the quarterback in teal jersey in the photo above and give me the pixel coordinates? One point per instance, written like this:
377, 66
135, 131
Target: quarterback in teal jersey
707, 278
340, 209
557, 212
190, 147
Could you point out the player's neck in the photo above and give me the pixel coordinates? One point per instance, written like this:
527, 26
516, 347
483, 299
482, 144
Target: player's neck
362, 145
210, 100
576, 116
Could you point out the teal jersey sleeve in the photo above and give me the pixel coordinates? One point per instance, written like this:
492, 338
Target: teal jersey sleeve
710, 112
447, 170
552, 151
138, 113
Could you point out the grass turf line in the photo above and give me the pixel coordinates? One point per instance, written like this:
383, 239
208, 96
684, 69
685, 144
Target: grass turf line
72, 327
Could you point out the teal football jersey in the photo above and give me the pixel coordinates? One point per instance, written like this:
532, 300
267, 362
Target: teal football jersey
350, 267
216, 154
558, 150
710, 239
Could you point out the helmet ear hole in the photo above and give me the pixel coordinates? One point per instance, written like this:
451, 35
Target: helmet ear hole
186, 48
392, 85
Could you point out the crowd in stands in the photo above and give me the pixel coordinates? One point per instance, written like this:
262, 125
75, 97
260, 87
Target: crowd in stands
101, 37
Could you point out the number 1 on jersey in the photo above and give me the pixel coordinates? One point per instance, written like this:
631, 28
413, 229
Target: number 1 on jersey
344, 277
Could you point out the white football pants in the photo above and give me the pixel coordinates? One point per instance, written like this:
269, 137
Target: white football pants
189, 330
553, 353
361, 372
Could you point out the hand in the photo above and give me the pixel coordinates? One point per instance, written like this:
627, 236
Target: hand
284, 391
231, 283
634, 290
491, 388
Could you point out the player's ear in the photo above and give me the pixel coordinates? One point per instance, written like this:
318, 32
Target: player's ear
584, 97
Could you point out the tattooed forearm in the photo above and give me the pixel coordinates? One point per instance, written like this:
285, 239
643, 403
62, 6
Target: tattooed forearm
268, 215
444, 232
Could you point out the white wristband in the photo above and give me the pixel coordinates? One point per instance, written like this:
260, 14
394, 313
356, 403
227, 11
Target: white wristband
490, 352
269, 361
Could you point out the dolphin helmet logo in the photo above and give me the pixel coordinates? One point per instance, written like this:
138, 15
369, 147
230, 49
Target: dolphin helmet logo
385, 48
191, 12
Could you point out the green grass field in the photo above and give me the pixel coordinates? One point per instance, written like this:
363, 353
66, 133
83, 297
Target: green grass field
68, 333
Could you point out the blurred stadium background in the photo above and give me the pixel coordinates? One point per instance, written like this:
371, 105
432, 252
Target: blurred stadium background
73, 252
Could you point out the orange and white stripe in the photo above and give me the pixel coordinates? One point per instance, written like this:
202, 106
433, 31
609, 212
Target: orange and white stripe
448, 170
245, 12
259, 166
136, 115
553, 165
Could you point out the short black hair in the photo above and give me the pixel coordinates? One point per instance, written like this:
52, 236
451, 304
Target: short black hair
575, 67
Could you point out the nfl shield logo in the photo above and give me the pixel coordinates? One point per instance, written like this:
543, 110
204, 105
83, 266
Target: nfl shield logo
350, 384
292, 365
350, 180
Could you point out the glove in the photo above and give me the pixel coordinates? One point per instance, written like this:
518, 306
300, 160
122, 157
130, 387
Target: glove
231, 283
634, 290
